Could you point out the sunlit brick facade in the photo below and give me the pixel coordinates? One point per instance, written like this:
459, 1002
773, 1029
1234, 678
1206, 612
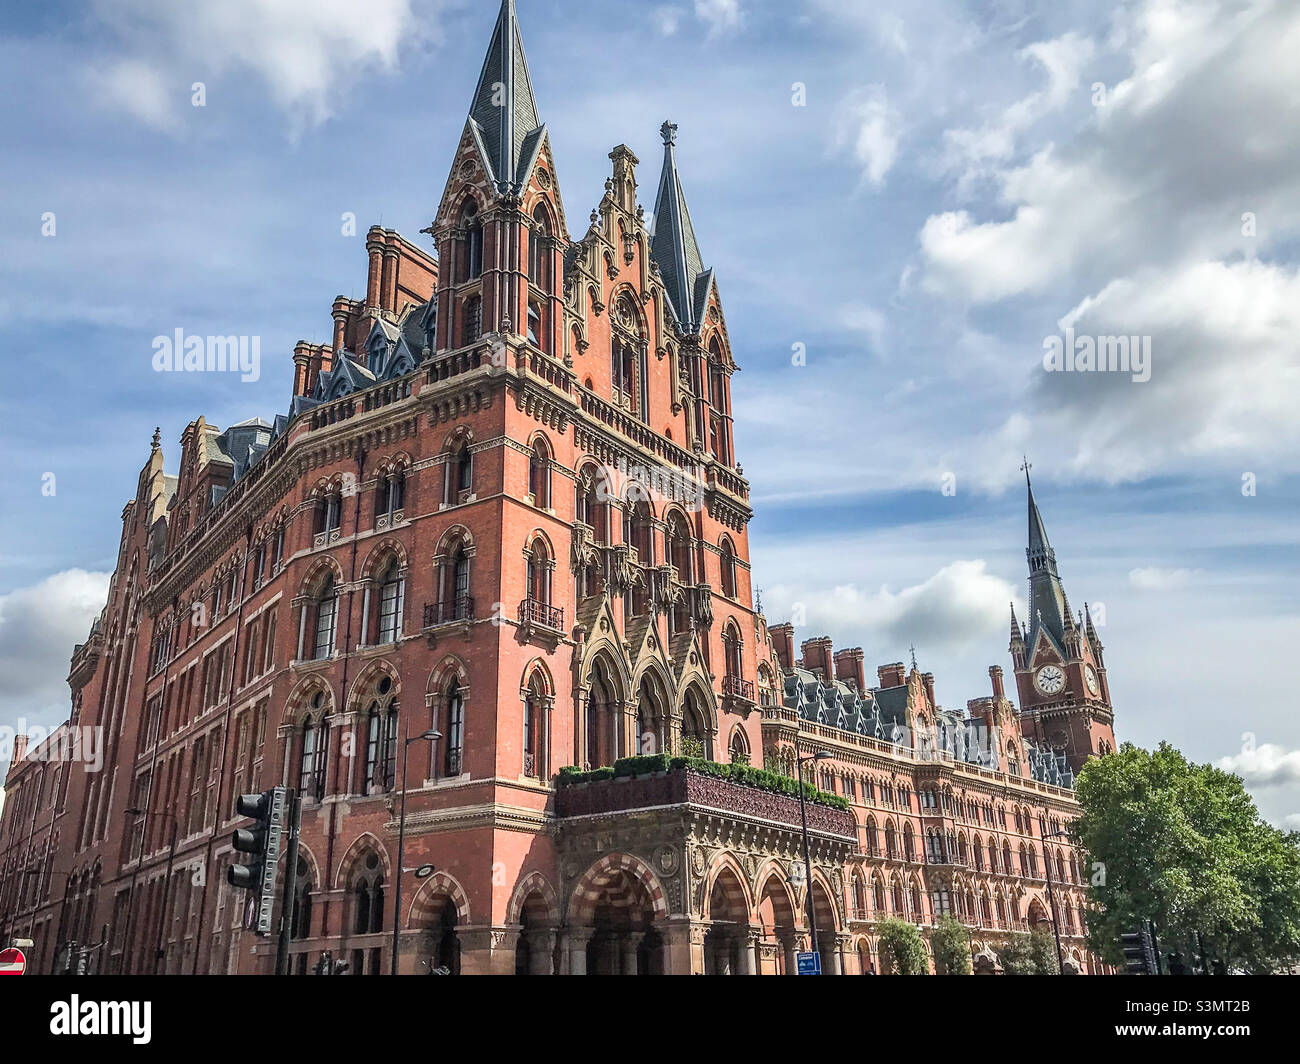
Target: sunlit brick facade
448, 531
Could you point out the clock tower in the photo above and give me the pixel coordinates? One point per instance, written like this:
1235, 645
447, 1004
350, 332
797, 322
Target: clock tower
1060, 671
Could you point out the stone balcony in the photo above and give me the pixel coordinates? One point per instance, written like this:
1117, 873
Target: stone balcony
684, 787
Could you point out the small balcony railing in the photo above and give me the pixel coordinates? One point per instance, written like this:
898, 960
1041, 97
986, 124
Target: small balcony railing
461, 609
738, 687
542, 614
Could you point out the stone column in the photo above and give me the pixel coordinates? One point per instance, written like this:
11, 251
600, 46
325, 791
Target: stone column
790, 948
541, 952
748, 943
631, 941
578, 937
683, 946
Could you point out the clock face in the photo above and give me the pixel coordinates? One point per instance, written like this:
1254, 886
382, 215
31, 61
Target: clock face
1050, 680
1090, 676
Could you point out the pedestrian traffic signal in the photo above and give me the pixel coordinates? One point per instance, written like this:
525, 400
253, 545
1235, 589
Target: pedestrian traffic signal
1139, 952
262, 842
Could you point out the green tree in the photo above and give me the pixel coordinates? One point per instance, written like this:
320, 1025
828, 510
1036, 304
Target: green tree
1183, 845
950, 942
1016, 957
902, 948
1031, 954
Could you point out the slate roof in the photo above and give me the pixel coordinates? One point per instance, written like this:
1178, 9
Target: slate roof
508, 135
674, 247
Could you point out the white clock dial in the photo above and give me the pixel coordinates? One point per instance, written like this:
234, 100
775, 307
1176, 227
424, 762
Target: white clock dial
1050, 680
1090, 676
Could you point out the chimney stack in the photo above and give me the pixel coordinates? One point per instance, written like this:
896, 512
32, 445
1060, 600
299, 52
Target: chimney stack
817, 657
850, 667
20, 749
783, 640
995, 674
927, 678
891, 675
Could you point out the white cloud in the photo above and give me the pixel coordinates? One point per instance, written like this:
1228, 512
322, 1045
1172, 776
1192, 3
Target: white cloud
721, 16
305, 51
667, 19
1153, 578
960, 605
1266, 765
39, 625
1062, 60
869, 129
1159, 175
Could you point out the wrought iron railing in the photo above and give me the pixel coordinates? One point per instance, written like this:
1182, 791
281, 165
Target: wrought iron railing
461, 609
738, 687
541, 613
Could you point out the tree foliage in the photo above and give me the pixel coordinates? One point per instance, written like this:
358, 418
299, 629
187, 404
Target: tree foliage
1183, 845
1031, 954
902, 948
950, 942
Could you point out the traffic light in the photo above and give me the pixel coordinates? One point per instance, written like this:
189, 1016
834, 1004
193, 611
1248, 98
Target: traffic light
262, 841
1139, 952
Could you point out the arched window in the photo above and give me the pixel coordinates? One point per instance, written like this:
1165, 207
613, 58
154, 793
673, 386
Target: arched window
679, 548
455, 739
877, 896
473, 319
534, 708
473, 262
909, 850
381, 746
739, 748
326, 609
539, 249
460, 475
694, 731
627, 364
329, 512
539, 475
368, 898
728, 569
535, 323
733, 663
390, 495
392, 595
313, 749
539, 572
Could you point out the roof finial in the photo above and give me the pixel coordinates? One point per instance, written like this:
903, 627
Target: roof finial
912, 650
157, 440
1026, 467
758, 600
669, 132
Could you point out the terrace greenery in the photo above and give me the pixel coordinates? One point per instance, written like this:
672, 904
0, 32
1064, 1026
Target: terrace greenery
746, 775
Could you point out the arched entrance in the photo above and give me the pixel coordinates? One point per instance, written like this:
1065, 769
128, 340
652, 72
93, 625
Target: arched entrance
776, 916
612, 914
727, 948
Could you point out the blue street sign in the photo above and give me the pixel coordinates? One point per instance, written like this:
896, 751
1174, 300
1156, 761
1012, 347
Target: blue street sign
809, 963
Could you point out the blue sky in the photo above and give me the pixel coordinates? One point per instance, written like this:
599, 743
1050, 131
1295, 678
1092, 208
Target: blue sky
917, 192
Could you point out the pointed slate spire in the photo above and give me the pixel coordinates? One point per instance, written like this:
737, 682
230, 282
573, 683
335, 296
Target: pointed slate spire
504, 112
1049, 608
674, 246
1016, 635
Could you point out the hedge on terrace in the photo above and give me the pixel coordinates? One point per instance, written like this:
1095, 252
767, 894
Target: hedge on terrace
746, 775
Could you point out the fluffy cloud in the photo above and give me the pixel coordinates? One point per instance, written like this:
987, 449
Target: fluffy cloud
721, 16
1062, 61
39, 625
869, 130
1153, 578
304, 51
1264, 766
1164, 169
960, 605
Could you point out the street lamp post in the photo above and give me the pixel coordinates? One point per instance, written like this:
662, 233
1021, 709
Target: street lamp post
430, 736
1051, 894
820, 755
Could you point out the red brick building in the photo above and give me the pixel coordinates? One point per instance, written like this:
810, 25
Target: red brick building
505, 504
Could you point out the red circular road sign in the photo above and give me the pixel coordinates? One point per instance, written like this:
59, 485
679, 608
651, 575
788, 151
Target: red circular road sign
12, 962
